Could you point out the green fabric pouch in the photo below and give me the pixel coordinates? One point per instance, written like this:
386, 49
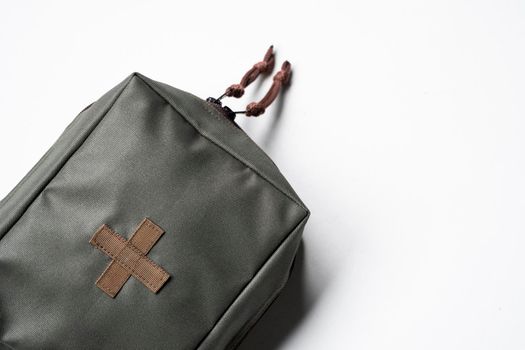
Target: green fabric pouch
231, 227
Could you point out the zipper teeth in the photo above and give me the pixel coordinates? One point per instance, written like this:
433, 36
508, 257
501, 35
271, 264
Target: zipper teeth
221, 111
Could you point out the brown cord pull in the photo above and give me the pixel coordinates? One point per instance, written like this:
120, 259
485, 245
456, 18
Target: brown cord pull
281, 78
255, 109
266, 65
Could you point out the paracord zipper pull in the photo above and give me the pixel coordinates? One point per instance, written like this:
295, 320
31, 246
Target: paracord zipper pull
265, 66
280, 79
255, 109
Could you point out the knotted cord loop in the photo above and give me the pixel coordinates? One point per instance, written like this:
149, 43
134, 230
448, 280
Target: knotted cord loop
254, 109
281, 78
264, 66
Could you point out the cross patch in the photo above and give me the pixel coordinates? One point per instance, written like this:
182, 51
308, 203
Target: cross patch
129, 258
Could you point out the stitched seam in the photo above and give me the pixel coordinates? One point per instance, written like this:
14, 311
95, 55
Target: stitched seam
135, 249
37, 165
221, 118
89, 133
151, 240
224, 148
104, 274
237, 338
9, 346
249, 283
134, 273
101, 284
216, 116
153, 226
105, 287
149, 244
128, 267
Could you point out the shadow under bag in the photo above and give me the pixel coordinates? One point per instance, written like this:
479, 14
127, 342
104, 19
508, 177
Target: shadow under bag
154, 222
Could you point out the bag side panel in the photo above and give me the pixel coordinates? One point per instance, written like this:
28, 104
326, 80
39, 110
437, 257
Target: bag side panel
17, 201
255, 297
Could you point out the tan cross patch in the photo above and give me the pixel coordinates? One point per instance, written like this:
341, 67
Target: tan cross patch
129, 258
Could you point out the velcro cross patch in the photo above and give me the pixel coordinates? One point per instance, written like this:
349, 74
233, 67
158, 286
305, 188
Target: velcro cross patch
129, 258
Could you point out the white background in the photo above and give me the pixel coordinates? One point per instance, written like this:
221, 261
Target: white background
402, 131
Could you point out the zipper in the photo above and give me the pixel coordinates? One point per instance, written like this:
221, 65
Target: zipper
225, 111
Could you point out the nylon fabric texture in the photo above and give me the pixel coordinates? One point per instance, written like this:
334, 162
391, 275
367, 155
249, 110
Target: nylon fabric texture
145, 149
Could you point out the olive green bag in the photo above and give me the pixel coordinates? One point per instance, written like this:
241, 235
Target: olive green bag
154, 222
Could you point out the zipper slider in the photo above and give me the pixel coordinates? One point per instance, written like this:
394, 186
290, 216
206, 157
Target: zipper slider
225, 110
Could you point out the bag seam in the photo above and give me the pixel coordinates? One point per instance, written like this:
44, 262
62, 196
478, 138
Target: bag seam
6, 345
250, 324
58, 169
248, 284
36, 166
225, 148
